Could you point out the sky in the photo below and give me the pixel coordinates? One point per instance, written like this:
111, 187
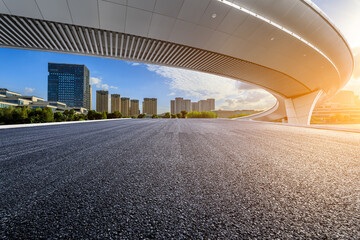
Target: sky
26, 72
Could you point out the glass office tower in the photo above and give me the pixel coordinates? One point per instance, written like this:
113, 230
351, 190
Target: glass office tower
69, 83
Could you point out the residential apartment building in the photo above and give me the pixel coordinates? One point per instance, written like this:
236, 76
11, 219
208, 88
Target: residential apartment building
195, 106
150, 106
125, 106
69, 83
180, 104
203, 106
211, 104
102, 101
134, 107
187, 105
172, 107
115, 103
207, 105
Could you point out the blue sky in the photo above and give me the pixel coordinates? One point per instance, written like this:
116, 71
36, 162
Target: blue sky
26, 72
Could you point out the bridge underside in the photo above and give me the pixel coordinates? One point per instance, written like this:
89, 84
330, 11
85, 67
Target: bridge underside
290, 110
35, 34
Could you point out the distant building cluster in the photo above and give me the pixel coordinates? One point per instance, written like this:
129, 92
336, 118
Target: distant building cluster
181, 104
344, 103
127, 106
13, 99
69, 88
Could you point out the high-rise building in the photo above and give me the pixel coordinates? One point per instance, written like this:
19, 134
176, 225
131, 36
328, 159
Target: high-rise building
90, 96
172, 107
211, 104
102, 101
187, 103
195, 106
134, 107
125, 106
115, 103
150, 106
179, 105
69, 83
203, 106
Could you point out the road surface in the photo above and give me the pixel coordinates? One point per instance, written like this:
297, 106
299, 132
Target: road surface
182, 179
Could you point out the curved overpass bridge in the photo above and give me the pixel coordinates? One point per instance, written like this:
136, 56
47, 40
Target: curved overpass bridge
289, 48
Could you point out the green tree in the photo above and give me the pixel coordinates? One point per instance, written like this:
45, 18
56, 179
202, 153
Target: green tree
24, 114
2, 116
104, 115
141, 115
115, 114
173, 115
167, 115
34, 115
46, 115
8, 115
183, 114
93, 115
79, 117
69, 114
16, 116
66, 114
196, 114
59, 117
178, 115
154, 116
19, 115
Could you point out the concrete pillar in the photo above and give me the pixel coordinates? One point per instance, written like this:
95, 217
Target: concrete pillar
299, 110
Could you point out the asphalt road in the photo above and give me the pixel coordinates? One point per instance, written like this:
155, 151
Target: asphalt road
181, 179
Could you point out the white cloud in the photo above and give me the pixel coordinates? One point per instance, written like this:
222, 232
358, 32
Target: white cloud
257, 99
229, 94
133, 63
28, 90
94, 80
196, 84
100, 85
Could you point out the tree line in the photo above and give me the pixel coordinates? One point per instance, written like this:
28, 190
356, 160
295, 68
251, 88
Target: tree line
11, 115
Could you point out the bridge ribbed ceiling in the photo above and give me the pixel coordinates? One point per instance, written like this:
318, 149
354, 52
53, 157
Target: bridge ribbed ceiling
45, 35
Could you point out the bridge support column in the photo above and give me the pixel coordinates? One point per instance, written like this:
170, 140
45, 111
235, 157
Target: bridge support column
299, 110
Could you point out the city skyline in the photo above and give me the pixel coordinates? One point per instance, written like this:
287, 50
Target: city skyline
136, 79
